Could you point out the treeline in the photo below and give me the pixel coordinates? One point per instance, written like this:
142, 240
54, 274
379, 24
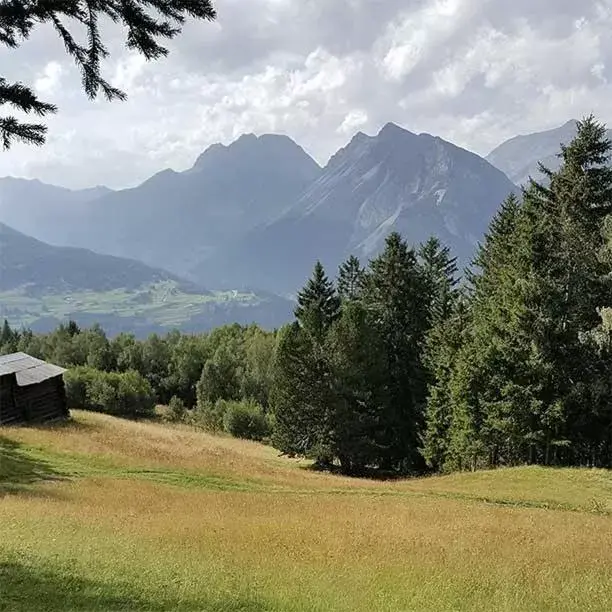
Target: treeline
398, 366
220, 380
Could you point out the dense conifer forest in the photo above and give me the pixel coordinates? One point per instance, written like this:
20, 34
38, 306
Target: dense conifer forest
404, 364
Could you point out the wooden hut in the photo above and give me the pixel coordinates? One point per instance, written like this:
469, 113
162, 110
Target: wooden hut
31, 390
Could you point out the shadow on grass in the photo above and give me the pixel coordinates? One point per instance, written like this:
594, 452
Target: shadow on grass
64, 424
19, 471
24, 589
363, 474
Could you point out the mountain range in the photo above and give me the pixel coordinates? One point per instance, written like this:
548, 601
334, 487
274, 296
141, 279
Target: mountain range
519, 157
418, 185
251, 218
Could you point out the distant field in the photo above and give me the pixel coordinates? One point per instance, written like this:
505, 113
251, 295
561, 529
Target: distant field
103, 514
161, 305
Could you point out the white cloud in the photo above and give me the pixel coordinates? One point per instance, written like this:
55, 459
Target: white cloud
353, 121
48, 81
472, 71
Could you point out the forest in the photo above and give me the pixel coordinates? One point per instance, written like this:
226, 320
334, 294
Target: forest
403, 364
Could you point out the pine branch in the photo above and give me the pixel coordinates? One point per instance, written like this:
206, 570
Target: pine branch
23, 98
12, 130
146, 22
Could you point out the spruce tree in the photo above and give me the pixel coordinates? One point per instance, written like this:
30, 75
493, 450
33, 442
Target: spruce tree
350, 279
357, 367
520, 385
396, 298
9, 339
300, 398
487, 410
318, 304
444, 341
440, 276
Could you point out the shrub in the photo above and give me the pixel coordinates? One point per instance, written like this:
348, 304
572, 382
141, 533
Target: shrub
246, 420
127, 394
78, 381
176, 409
209, 415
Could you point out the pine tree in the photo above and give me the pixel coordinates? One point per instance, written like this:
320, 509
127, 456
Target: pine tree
9, 338
350, 279
396, 298
444, 341
488, 410
147, 22
440, 275
318, 304
301, 397
357, 368
520, 387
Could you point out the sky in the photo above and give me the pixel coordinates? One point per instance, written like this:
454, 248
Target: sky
474, 72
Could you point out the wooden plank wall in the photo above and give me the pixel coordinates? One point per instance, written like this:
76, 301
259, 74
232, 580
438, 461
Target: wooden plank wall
9, 412
38, 403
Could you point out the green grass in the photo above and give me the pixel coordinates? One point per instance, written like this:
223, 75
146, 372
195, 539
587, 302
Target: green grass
163, 304
103, 514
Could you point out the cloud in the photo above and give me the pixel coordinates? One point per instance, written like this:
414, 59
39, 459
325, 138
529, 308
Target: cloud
472, 71
48, 81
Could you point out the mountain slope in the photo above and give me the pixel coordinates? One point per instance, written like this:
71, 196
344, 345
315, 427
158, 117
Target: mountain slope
25, 261
419, 185
45, 211
42, 285
519, 156
175, 219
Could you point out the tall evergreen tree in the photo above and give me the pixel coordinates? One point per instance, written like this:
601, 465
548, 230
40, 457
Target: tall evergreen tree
318, 304
396, 299
444, 341
301, 397
519, 382
357, 368
440, 276
350, 279
9, 339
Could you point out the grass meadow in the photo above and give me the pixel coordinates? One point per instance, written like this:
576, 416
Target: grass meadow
104, 514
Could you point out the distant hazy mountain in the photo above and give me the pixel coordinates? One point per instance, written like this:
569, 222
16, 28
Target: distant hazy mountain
174, 219
42, 210
27, 262
519, 156
42, 285
419, 185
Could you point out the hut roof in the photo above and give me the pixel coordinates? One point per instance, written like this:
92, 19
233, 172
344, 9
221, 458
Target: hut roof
28, 370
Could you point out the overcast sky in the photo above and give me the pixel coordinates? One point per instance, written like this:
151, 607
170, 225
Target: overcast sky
472, 71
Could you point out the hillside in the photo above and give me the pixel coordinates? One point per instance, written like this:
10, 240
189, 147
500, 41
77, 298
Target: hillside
181, 520
25, 261
42, 285
418, 185
518, 157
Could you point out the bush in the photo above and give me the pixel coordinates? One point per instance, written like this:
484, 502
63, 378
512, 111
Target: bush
246, 420
177, 410
210, 416
78, 381
127, 394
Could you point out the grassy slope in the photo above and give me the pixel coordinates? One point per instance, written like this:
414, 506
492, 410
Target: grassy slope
103, 514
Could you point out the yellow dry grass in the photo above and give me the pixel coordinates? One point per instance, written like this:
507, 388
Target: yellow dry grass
290, 539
